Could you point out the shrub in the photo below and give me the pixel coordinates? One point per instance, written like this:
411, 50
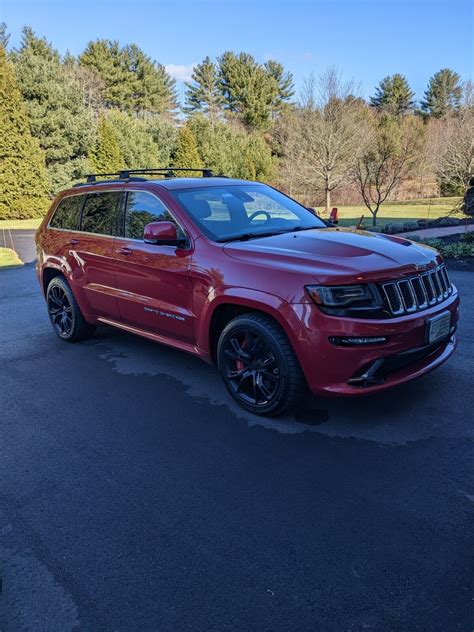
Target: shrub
456, 250
449, 221
394, 227
410, 225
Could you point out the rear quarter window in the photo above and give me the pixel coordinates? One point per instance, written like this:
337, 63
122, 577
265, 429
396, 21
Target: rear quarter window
67, 215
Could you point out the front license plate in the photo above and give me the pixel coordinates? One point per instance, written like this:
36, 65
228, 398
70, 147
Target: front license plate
438, 327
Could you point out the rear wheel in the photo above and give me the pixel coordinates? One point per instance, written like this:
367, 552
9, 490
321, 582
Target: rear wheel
258, 365
64, 313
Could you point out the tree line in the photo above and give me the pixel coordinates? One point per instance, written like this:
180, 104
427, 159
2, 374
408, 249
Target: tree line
113, 107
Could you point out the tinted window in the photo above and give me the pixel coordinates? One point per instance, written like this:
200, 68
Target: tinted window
99, 214
68, 213
142, 209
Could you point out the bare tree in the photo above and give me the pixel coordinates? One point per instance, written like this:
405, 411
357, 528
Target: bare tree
452, 145
325, 135
388, 160
89, 82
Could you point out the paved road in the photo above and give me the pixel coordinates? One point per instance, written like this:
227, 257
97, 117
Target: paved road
134, 496
21, 240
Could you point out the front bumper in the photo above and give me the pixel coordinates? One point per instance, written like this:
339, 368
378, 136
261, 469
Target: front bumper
333, 370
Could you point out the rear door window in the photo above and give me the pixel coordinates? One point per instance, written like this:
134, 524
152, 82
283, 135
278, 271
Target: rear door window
100, 213
68, 213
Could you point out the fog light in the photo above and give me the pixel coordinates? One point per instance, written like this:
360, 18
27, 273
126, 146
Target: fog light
359, 341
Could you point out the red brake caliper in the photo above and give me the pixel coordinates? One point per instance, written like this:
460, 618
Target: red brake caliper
239, 365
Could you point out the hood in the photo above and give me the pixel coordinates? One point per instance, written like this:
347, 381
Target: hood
337, 253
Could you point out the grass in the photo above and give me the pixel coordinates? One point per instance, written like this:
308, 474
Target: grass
20, 223
9, 258
429, 208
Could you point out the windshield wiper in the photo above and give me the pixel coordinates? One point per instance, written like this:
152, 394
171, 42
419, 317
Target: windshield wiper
247, 236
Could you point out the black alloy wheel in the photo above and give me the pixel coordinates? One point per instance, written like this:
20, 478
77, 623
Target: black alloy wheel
60, 311
258, 365
64, 313
251, 368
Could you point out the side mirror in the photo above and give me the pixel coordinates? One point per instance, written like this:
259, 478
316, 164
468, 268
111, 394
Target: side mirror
161, 233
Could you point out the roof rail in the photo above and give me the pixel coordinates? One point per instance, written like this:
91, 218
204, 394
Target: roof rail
127, 174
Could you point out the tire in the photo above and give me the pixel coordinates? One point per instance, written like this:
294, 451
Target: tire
64, 313
258, 365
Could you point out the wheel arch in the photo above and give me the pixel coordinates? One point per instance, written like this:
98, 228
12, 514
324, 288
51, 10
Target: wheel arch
48, 275
228, 305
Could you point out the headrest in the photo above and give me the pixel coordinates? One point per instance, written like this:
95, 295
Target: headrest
200, 209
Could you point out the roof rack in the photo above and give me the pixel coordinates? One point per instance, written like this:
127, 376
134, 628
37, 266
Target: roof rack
127, 174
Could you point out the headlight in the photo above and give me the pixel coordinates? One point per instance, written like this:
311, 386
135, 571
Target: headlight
343, 295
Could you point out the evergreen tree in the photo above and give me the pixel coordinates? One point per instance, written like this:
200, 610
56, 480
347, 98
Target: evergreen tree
133, 82
186, 154
203, 94
23, 177
4, 35
106, 157
393, 95
163, 133
248, 90
58, 118
284, 82
108, 60
135, 139
154, 89
443, 94
230, 150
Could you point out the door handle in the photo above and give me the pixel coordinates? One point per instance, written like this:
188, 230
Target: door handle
124, 251
74, 242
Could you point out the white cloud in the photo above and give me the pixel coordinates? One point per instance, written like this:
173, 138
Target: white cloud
180, 72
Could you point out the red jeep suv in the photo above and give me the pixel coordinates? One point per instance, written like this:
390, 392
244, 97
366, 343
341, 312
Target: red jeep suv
243, 276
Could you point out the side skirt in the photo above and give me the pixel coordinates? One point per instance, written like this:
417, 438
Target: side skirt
169, 342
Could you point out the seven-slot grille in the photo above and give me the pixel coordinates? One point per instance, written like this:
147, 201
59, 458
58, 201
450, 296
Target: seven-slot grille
413, 294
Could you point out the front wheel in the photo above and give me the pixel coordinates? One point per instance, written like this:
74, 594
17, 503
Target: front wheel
258, 365
64, 313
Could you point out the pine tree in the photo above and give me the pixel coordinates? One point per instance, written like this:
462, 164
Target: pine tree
23, 177
107, 157
186, 154
58, 117
393, 95
284, 82
443, 94
248, 90
135, 139
230, 150
134, 83
203, 94
4, 35
108, 60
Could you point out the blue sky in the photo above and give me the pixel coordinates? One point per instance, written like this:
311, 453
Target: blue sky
366, 40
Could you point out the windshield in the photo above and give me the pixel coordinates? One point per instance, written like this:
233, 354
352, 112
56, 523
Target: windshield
234, 211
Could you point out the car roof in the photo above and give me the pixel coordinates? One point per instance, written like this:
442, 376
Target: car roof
171, 184
197, 183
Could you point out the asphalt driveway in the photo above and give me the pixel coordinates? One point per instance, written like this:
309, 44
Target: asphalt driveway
134, 495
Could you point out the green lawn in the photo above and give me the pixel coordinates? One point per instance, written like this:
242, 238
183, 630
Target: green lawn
398, 211
9, 258
20, 223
